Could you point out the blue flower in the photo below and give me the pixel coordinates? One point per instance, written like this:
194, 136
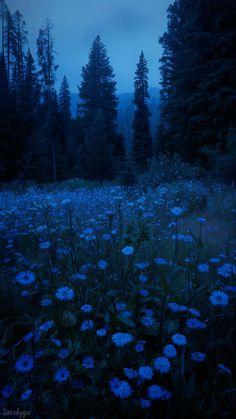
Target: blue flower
147, 321
179, 340
198, 356
195, 324
194, 312
120, 388
223, 369
65, 294
87, 308
139, 347
142, 265
26, 395
24, 363
219, 299
161, 261
101, 333
88, 363
121, 339
63, 353
169, 351
174, 307
142, 278
7, 391
162, 365
46, 302
154, 392
204, 267
177, 211
226, 270
87, 325
61, 375
102, 264
144, 293
145, 373
165, 394
25, 278
46, 326
144, 403
127, 251
120, 306
56, 342
130, 373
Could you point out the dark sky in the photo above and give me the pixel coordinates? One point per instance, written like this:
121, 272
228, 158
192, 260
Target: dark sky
126, 27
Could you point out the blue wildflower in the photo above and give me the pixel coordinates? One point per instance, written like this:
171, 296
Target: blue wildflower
203, 268
102, 264
120, 388
219, 298
25, 396
154, 392
127, 251
63, 353
121, 339
25, 278
223, 369
144, 403
139, 347
198, 356
24, 363
7, 391
61, 375
88, 363
179, 340
169, 351
145, 373
65, 294
101, 332
87, 325
165, 394
195, 324
162, 365
87, 308
56, 342
130, 373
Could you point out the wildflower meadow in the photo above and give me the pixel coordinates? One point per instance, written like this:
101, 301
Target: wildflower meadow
118, 301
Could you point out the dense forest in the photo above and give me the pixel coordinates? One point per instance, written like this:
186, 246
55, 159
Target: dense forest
41, 141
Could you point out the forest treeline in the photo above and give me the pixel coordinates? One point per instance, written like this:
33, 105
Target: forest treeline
39, 139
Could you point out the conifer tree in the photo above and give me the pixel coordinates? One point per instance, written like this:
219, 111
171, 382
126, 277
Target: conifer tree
142, 142
97, 153
65, 100
98, 93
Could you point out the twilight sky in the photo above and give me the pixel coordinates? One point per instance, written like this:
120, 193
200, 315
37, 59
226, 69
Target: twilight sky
126, 27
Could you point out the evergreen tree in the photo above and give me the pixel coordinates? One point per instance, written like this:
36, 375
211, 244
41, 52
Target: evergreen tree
200, 102
97, 151
19, 40
65, 100
46, 61
98, 93
9, 128
142, 142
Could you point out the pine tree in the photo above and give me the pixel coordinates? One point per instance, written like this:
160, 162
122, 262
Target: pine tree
65, 100
200, 98
46, 61
98, 93
9, 128
97, 151
142, 142
18, 44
